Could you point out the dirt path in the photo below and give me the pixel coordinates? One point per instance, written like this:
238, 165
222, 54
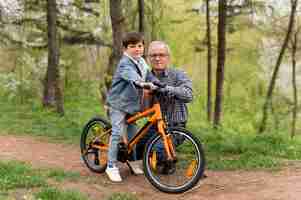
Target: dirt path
240, 185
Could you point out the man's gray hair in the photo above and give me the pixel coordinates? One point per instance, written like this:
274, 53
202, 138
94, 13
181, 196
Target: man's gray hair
160, 43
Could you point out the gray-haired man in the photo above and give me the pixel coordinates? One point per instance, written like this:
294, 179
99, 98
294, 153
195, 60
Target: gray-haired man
178, 91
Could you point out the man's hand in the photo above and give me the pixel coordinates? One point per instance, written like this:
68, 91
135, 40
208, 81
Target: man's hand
167, 89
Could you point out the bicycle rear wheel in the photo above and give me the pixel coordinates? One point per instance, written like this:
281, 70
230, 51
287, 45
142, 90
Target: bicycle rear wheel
94, 144
174, 176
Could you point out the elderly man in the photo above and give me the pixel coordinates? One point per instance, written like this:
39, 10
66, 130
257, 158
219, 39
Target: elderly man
177, 93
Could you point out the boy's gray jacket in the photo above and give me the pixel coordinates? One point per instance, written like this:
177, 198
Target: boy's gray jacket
124, 95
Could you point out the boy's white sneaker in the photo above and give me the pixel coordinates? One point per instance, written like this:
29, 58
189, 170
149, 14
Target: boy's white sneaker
113, 174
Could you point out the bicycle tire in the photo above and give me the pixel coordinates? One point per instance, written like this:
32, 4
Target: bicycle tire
160, 180
97, 162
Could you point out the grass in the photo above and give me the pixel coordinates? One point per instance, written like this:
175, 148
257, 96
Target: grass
34, 183
50, 193
229, 150
32, 119
61, 175
122, 196
16, 176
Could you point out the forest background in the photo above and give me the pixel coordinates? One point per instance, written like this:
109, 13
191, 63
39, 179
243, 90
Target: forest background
58, 57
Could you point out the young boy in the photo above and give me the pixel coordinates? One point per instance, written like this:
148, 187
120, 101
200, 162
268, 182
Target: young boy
124, 96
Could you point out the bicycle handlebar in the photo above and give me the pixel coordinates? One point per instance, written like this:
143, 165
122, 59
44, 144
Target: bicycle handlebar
159, 84
146, 85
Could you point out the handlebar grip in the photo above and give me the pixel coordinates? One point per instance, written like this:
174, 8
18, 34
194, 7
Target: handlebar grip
159, 84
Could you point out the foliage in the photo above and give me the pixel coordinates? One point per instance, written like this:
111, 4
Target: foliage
234, 145
23, 83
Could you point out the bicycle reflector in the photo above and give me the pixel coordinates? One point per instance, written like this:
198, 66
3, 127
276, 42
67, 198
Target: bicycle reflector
153, 160
191, 168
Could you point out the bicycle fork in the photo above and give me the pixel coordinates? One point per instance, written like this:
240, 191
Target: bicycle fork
167, 142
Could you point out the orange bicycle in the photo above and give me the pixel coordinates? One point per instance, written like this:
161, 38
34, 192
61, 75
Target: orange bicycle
173, 159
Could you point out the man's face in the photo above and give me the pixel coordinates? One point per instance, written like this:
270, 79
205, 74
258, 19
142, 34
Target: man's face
158, 57
135, 50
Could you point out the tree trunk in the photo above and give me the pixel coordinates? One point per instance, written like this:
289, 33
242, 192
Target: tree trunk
117, 22
52, 91
141, 16
209, 63
222, 11
294, 83
277, 66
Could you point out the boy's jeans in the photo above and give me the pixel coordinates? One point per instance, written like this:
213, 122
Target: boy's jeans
119, 128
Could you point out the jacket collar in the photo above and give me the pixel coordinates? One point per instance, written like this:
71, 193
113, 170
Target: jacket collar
136, 62
163, 73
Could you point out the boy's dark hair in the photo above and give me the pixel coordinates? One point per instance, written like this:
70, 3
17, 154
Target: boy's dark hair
132, 38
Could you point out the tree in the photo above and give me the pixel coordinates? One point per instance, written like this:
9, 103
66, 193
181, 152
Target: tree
72, 17
271, 87
117, 22
221, 57
209, 62
52, 91
293, 49
141, 16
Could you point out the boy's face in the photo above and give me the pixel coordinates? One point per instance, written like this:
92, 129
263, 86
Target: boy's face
135, 50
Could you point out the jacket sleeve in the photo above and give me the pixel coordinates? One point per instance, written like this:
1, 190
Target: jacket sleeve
183, 89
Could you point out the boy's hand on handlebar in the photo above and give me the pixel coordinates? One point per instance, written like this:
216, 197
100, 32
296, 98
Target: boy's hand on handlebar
147, 85
150, 85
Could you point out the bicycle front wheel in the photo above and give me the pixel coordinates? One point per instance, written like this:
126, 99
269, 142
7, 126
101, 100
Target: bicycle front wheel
94, 144
174, 176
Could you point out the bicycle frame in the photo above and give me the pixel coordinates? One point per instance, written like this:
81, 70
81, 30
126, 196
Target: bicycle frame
155, 119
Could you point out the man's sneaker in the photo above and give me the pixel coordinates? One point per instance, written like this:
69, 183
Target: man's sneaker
113, 174
135, 168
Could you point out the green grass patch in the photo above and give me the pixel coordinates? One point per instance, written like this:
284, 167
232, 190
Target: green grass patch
122, 196
228, 150
50, 193
61, 175
34, 120
18, 175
